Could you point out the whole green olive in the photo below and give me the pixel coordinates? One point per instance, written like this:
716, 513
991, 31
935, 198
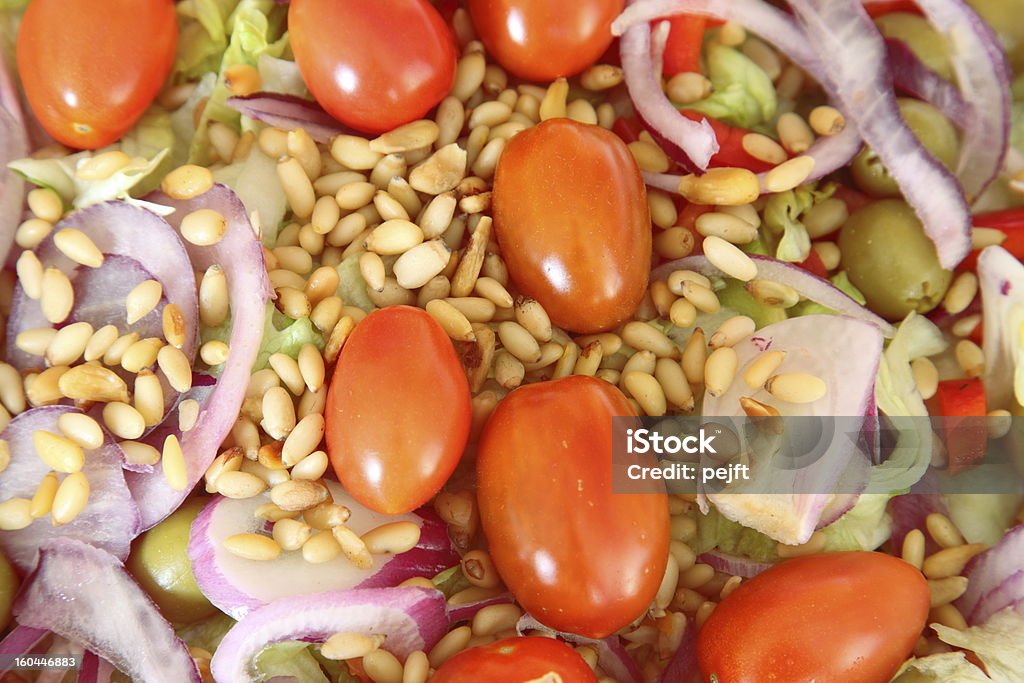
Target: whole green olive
891, 261
923, 40
931, 127
1005, 18
8, 588
159, 561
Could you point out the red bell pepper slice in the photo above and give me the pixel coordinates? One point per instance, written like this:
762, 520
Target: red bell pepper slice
1008, 221
877, 8
685, 38
960, 406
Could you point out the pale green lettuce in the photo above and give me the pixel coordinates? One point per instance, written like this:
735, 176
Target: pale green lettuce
782, 213
352, 286
865, 526
742, 95
895, 390
996, 643
281, 334
202, 37
254, 180
290, 658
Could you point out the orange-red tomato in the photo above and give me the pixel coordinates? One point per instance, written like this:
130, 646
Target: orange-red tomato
570, 213
541, 40
578, 557
514, 660
397, 410
372, 65
90, 69
833, 618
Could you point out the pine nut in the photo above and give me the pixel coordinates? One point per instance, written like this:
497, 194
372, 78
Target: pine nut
720, 370
175, 366
288, 370
721, 187
418, 265
204, 227
519, 342
912, 551
352, 547
495, 618
42, 499
57, 296
950, 561
15, 514
946, 590
213, 297
291, 534
302, 439
149, 398
943, 531
81, 429
826, 121
294, 258
454, 323
297, 495
92, 383
796, 387
646, 337
31, 232
321, 547
35, 341
688, 87
312, 467
336, 339
774, 294
59, 453
647, 392
532, 317
813, 546
694, 357
187, 182
415, 135
350, 645
78, 247
670, 376
45, 204
700, 296
555, 100
123, 420
696, 576
970, 357
354, 153
649, 157
451, 644
682, 313
763, 367
239, 485
441, 172
43, 388
291, 301
71, 498
143, 298
961, 293
141, 354
926, 377
388, 207
948, 615
986, 237
30, 274
172, 323
251, 546
729, 228
278, 413
825, 217
732, 331
394, 237
451, 116
763, 148
326, 515
68, 344
392, 538
188, 414
508, 370
789, 174
999, 423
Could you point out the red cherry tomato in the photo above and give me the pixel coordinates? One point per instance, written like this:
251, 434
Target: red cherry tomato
570, 213
834, 618
578, 557
91, 69
515, 660
541, 40
373, 65
397, 410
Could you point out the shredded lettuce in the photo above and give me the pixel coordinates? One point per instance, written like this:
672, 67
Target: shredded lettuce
735, 297
255, 31
982, 517
742, 95
895, 390
202, 38
281, 76
996, 643
714, 530
451, 581
782, 214
254, 180
865, 526
281, 334
208, 633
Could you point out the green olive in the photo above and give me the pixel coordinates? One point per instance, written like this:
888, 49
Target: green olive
1005, 18
159, 561
931, 127
891, 261
923, 40
8, 588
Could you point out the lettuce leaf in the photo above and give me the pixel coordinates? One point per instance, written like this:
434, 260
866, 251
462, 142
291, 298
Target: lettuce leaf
742, 95
281, 334
352, 286
866, 526
290, 658
982, 517
714, 530
254, 180
208, 633
782, 214
895, 390
996, 643
202, 37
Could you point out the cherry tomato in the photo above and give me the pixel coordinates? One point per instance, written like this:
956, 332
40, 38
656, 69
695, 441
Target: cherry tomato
514, 660
570, 213
91, 69
578, 557
397, 410
541, 40
373, 65
833, 618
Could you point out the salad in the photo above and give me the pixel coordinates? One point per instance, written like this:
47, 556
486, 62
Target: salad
326, 323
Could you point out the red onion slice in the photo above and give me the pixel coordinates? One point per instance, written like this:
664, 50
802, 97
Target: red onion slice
13, 145
95, 669
85, 595
858, 75
237, 586
915, 78
843, 352
241, 256
733, 564
289, 112
983, 77
683, 667
117, 229
22, 639
809, 286
611, 655
110, 519
995, 578
410, 618
1001, 279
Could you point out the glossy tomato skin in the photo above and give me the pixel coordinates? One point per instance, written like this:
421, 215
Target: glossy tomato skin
90, 69
397, 413
373, 65
570, 213
514, 660
850, 617
578, 557
541, 40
